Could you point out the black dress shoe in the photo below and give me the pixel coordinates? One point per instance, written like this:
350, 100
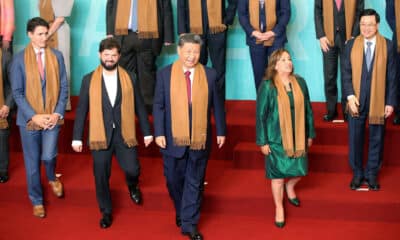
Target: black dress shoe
135, 194
329, 117
356, 182
106, 220
396, 120
373, 184
3, 178
178, 221
194, 235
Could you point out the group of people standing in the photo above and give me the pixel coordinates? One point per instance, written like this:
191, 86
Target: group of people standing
182, 96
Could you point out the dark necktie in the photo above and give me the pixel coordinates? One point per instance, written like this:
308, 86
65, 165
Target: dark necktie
368, 55
188, 86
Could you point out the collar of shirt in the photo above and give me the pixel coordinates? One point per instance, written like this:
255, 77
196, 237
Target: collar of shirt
37, 50
373, 41
191, 70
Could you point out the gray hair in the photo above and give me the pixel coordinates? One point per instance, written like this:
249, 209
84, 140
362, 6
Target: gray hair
189, 38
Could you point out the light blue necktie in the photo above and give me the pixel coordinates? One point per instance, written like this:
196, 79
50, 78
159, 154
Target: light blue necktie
368, 55
134, 23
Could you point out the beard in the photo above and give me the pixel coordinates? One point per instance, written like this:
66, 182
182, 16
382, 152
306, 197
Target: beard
109, 67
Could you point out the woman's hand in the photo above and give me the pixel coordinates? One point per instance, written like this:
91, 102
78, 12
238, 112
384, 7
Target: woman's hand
265, 150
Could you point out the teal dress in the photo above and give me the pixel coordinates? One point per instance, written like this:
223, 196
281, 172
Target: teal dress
277, 163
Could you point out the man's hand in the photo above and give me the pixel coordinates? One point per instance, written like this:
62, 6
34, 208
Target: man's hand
257, 34
53, 119
267, 35
309, 142
324, 42
220, 141
77, 148
388, 111
41, 120
353, 106
4, 111
147, 141
265, 150
161, 142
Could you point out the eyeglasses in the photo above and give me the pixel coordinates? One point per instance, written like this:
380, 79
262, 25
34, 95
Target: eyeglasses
367, 25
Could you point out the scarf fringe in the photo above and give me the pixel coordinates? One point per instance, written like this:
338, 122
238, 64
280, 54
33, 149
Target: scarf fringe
376, 120
182, 141
217, 29
295, 154
122, 31
148, 35
198, 146
3, 124
98, 145
196, 30
131, 143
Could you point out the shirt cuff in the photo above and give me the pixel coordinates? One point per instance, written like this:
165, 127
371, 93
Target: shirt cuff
76, 143
350, 96
61, 116
148, 137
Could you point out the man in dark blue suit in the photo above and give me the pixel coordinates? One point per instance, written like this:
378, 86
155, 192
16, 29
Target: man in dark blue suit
113, 99
369, 83
186, 92
264, 22
209, 19
40, 90
393, 18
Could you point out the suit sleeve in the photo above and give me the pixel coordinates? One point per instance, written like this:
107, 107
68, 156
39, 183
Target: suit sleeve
159, 106
9, 101
82, 109
244, 17
230, 12
346, 70
219, 108
283, 17
140, 109
110, 16
17, 79
319, 19
168, 22
356, 26
391, 81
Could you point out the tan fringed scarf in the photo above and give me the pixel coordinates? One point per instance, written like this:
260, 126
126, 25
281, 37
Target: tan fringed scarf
214, 13
378, 81
350, 13
397, 13
180, 109
47, 13
270, 12
3, 121
298, 148
33, 86
147, 18
97, 134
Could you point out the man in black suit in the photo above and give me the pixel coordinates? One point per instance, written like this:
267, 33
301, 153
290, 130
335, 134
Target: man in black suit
141, 26
369, 84
336, 21
6, 104
111, 96
209, 19
393, 18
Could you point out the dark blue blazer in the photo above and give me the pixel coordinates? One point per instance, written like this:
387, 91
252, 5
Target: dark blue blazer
391, 83
391, 18
18, 79
282, 19
162, 111
111, 115
228, 14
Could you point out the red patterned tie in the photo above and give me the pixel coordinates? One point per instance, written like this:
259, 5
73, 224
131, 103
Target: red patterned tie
338, 4
188, 86
40, 64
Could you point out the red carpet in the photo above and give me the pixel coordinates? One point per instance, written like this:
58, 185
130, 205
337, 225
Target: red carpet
238, 202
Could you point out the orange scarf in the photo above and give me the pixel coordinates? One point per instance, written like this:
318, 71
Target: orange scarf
378, 81
180, 108
214, 13
47, 13
397, 13
97, 133
294, 146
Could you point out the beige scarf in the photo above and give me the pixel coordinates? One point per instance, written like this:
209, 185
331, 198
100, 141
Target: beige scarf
270, 12
397, 13
180, 108
214, 13
350, 13
3, 121
147, 18
378, 81
47, 13
33, 86
293, 147
97, 134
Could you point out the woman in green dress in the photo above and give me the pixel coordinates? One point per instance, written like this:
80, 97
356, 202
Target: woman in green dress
285, 129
